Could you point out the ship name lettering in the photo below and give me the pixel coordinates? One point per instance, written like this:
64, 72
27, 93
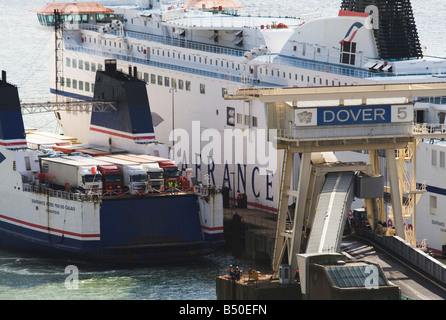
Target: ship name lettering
438, 223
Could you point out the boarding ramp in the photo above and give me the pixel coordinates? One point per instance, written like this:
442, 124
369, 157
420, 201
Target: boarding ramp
333, 205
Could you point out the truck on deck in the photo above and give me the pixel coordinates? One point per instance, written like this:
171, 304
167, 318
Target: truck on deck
150, 165
112, 180
134, 176
70, 173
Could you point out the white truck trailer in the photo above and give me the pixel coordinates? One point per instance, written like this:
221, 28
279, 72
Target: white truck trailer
134, 176
70, 173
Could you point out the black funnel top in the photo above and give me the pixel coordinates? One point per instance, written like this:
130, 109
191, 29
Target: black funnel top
397, 36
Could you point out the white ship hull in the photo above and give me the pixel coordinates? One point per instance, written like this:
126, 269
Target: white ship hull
307, 54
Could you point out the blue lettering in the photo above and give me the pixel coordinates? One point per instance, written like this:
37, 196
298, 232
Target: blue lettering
253, 183
211, 170
269, 184
226, 177
241, 176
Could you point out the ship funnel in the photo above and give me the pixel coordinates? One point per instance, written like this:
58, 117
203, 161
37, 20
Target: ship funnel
396, 33
12, 130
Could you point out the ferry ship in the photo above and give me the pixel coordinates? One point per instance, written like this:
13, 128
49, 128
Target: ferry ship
98, 208
192, 54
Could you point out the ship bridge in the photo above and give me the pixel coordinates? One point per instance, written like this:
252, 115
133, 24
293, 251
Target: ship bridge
315, 122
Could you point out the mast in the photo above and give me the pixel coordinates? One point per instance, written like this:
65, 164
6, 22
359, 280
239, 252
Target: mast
58, 38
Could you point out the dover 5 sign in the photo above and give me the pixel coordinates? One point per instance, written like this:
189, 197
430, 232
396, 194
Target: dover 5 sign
353, 115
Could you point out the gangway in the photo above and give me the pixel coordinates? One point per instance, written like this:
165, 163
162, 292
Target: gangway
332, 209
314, 120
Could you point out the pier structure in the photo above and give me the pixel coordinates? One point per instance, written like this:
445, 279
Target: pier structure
315, 122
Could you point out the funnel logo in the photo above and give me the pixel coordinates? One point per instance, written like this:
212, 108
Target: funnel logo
2, 157
351, 33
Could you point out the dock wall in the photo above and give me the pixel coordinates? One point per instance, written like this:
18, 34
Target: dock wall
250, 234
414, 256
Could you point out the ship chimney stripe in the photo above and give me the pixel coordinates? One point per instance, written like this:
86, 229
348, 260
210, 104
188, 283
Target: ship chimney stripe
140, 136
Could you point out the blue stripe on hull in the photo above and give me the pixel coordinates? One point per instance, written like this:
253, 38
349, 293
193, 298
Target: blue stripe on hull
146, 230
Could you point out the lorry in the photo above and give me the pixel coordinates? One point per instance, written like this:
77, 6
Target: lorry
70, 173
172, 176
134, 176
112, 181
150, 165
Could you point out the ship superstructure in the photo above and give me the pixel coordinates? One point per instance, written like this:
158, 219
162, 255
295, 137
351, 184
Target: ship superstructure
190, 57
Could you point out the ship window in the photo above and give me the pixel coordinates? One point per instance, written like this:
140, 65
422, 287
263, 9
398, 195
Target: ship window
160, 80
239, 118
99, 67
348, 51
153, 78
202, 88
27, 164
432, 204
434, 158
68, 82
247, 120
81, 85
93, 67
87, 65
180, 84
442, 159
166, 81
68, 62
146, 77
74, 63
81, 64
62, 81
87, 86
254, 121
74, 84
188, 85
92, 87
174, 83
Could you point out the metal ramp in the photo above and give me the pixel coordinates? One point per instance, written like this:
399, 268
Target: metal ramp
333, 205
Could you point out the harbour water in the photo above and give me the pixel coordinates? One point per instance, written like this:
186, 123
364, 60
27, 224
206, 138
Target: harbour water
24, 54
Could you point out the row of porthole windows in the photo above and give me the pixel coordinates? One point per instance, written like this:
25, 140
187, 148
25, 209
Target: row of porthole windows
77, 84
170, 82
314, 80
83, 65
195, 58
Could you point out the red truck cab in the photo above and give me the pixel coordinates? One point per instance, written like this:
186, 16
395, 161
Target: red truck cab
111, 178
172, 176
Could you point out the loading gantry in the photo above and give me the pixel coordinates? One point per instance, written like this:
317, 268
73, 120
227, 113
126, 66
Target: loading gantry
309, 125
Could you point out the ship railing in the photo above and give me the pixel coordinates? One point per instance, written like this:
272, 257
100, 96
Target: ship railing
217, 75
426, 128
67, 195
171, 41
343, 132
